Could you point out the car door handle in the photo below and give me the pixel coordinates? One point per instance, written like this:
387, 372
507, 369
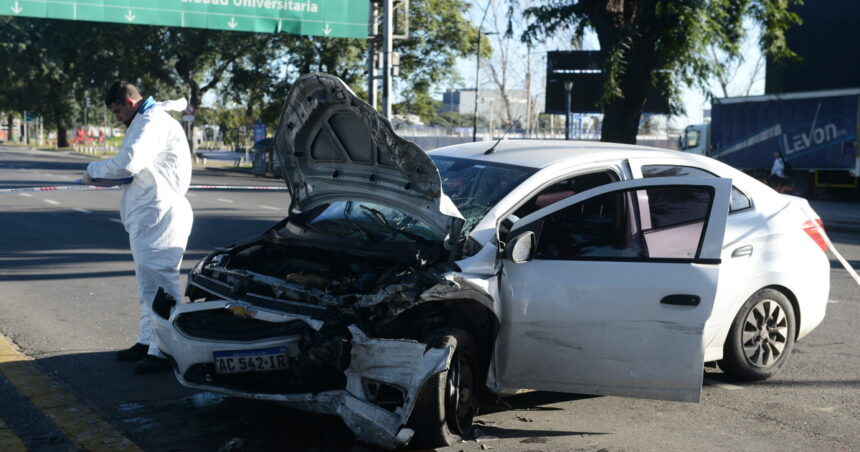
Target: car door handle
681, 300
743, 251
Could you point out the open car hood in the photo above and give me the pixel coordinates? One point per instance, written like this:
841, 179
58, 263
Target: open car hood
334, 147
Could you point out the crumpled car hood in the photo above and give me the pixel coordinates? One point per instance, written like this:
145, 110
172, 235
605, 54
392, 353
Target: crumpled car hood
334, 146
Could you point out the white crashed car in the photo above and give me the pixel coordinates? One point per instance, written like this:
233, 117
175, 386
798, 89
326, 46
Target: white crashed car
403, 283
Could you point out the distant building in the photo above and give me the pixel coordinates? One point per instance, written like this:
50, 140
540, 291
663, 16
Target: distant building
490, 104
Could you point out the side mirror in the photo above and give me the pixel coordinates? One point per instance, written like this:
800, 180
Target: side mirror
521, 248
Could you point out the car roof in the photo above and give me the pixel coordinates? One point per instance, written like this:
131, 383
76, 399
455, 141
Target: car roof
540, 154
543, 153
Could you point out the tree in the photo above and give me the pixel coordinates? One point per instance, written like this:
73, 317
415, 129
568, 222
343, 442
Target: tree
641, 39
47, 72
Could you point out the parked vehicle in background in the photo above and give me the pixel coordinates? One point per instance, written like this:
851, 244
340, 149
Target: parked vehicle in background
403, 283
816, 132
264, 160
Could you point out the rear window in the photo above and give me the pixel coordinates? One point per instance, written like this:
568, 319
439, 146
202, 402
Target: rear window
739, 200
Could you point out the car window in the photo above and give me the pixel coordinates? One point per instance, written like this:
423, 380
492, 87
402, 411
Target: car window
564, 189
476, 186
739, 201
652, 223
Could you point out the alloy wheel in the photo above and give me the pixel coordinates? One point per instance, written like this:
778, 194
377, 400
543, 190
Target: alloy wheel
765, 333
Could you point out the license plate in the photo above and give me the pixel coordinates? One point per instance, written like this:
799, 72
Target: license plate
260, 360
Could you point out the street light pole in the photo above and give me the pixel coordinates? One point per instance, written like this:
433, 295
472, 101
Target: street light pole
477, 78
568, 87
477, 83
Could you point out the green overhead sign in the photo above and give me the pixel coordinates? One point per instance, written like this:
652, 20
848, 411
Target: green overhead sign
335, 18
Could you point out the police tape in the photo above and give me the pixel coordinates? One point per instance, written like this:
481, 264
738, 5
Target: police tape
94, 187
845, 264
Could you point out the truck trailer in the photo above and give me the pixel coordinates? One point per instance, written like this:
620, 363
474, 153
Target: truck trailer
815, 132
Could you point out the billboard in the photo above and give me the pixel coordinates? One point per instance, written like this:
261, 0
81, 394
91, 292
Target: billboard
826, 42
584, 69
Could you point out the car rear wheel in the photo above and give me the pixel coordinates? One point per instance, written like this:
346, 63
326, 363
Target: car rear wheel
761, 337
448, 401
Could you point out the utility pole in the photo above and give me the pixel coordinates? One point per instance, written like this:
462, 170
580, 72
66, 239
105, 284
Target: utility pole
372, 43
568, 87
528, 84
387, 47
384, 43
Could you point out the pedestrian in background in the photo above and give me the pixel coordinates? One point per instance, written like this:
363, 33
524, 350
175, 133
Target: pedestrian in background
153, 208
777, 173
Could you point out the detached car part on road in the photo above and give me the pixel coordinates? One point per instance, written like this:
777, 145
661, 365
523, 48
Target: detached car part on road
565, 266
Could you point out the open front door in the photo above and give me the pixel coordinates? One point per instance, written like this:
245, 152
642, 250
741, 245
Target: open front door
613, 288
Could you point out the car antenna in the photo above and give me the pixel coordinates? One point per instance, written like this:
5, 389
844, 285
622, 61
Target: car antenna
493, 147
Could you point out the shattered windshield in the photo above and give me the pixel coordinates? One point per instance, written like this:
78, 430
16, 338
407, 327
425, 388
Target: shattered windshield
360, 220
476, 186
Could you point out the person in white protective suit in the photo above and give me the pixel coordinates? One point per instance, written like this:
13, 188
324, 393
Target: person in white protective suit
154, 210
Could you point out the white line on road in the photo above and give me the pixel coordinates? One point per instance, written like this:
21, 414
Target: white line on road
81, 210
223, 200
116, 220
26, 195
50, 201
716, 383
270, 207
190, 195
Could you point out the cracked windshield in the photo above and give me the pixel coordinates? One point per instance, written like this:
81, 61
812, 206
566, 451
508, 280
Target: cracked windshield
476, 186
361, 220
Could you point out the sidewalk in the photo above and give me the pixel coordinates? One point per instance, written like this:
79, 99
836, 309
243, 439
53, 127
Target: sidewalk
838, 216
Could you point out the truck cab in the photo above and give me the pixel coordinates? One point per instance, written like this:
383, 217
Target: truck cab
695, 139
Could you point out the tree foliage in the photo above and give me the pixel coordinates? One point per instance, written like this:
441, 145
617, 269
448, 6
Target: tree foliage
643, 38
52, 65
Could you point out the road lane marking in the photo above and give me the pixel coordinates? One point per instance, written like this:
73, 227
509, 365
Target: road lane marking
81, 210
26, 195
50, 201
116, 220
190, 195
223, 200
716, 383
270, 207
80, 424
8, 441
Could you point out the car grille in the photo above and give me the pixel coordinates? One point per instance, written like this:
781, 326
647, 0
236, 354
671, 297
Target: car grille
221, 324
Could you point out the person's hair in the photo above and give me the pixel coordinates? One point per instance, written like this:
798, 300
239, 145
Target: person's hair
119, 92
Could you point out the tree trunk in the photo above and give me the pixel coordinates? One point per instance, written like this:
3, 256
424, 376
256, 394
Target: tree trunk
621, 117
624, 24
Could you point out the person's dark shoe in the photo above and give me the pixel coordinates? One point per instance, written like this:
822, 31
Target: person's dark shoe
151, 364
134, 353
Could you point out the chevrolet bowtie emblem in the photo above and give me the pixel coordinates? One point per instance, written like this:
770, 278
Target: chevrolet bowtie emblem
241, 311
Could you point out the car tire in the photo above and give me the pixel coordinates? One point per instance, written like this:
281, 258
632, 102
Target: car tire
448, 401
761, 337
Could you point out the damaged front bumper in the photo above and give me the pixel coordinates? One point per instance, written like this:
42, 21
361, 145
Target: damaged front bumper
372, 384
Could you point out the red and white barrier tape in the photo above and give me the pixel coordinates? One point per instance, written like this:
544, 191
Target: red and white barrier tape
841, 259
93, 187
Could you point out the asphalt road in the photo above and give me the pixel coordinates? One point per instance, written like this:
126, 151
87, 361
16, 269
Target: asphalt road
67, 301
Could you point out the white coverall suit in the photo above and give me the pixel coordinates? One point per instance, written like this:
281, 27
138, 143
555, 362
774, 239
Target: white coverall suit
153, 209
